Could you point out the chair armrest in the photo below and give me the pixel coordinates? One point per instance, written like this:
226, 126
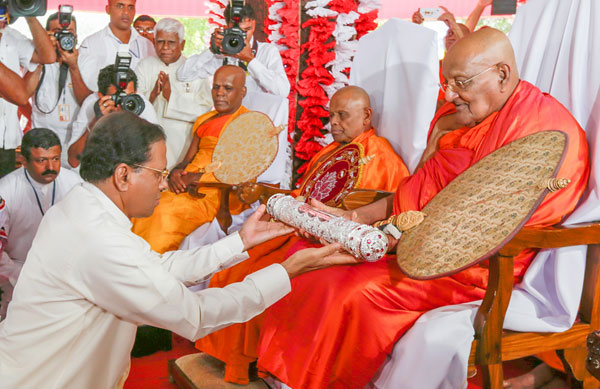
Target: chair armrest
250, 192
223, 213
360, 197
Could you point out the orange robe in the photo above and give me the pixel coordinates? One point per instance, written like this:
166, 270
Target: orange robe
338, 324
236, 345
178, 215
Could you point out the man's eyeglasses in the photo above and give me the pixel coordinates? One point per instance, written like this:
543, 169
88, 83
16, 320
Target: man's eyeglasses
146, 31
163, 173
461, 85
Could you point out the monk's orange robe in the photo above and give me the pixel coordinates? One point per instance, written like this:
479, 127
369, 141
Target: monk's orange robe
236, 345
338, 324
178, 215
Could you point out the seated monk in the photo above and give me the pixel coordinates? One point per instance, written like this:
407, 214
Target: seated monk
337, 326
350, 118
178, 213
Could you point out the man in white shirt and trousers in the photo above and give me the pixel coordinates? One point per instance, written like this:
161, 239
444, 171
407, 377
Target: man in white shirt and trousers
28, 193
100, 48
261, 60
177, 103
17, 51
88, 281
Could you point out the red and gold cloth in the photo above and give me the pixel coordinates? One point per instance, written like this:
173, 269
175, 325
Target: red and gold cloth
236, 345
337, 326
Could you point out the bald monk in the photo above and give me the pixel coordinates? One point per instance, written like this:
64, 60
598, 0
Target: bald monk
350, 118
178, 213
338, 325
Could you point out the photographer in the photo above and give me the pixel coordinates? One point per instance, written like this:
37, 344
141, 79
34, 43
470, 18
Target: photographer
59, 86
260, 59
17, 51
96, 106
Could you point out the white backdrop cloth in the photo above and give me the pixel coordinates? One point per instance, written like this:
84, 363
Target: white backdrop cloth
557, 44
396, 58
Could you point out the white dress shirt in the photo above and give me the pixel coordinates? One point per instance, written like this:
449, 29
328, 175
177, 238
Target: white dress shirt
15, 52
265, 70
86, 114
22, 216
63, 109
100, 50
89, 281
177, 116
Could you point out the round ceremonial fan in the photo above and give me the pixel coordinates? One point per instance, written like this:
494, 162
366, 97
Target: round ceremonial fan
337, 174
245, 149
483, 208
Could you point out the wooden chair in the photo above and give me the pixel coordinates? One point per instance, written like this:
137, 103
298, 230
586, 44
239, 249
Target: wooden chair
492, 345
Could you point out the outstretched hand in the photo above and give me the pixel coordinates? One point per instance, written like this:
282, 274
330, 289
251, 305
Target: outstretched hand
317, 258
256, 230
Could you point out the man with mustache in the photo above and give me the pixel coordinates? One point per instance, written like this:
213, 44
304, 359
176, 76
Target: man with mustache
100, 49
28, 192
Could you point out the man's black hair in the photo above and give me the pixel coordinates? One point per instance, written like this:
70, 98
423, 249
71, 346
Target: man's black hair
54, 16
106, 78
144, 18
38, 137
247, 13
120, 137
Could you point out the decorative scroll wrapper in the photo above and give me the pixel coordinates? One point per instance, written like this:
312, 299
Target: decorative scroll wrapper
362, 240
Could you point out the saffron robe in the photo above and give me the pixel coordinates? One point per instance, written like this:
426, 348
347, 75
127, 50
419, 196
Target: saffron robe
177, 215
338, 324
236, 345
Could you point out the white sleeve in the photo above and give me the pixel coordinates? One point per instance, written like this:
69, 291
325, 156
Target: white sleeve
129, 282
146, 80
83, 118
148, 113
267, 69
25, 49
88, 65
202, 65
188, 106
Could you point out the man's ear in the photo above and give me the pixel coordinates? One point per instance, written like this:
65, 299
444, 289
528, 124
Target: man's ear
368, 115
183, 45
122, 177
504, 73
244, 90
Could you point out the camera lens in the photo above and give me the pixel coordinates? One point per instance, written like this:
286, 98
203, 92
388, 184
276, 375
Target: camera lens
133, 103
25, 4
67, 42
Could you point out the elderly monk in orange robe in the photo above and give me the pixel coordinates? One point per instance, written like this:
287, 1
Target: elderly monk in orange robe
178, 213
350, 118
338, 325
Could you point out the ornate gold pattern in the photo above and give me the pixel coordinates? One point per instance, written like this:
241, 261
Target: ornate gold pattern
481, 208
405, 221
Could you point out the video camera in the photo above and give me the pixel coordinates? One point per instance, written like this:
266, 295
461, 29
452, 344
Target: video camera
132, 103
234, 38
66, 39
18, 8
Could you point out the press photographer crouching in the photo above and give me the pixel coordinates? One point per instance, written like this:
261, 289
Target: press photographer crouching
117, 91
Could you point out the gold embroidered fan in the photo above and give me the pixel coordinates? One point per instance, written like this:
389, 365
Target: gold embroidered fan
336, 175
483, 208
245, 149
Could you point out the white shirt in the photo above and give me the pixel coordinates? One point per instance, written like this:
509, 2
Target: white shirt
177, 116
61, 118
15, 52
89, 281
86, 114
100, 50
265, 70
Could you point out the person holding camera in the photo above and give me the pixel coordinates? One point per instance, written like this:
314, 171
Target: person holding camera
16, 52
100, 48
59, 86
237, 46
177, 104
112, 97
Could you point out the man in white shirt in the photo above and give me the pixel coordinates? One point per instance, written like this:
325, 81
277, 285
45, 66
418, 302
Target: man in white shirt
100, 48
100, 104
89, 281
29, 192
60, 89
261, 60
177, 104
17, 51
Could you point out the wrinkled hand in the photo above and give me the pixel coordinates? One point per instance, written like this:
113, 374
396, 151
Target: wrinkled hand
257, 230
350, 215
177, 183
107, 105
417, 18
166, 86
68, 57
158, 86
217, 38
246, 53
317, 258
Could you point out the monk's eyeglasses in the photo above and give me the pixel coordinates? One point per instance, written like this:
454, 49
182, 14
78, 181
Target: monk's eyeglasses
163, 173
461, 85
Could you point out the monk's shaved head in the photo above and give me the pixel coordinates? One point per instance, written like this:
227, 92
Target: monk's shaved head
481, 72
349, 113
228, 88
